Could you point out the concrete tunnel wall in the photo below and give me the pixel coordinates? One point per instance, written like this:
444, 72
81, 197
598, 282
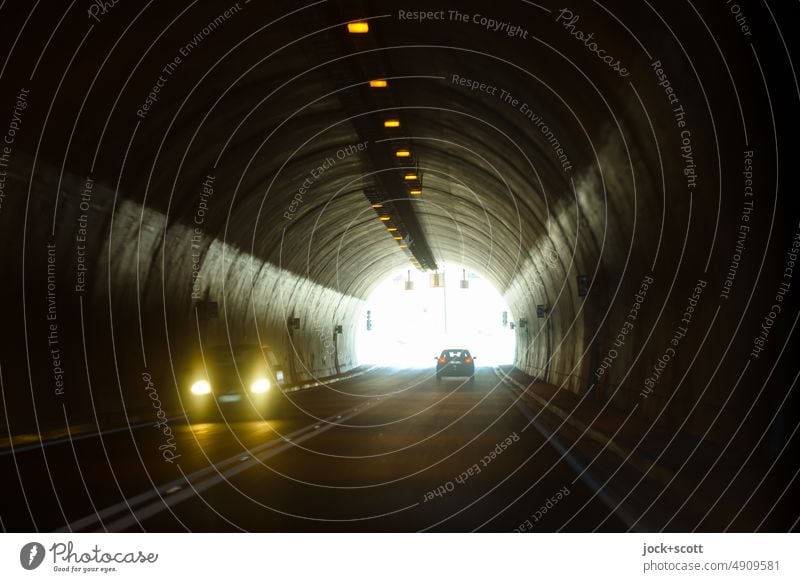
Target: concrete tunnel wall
497, 199
138, 302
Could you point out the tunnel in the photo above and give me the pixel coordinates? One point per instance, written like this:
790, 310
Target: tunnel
182, 176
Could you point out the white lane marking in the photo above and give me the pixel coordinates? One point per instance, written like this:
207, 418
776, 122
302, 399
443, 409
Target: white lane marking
579, 467
140, 514
61, 440
77, 437
126, 505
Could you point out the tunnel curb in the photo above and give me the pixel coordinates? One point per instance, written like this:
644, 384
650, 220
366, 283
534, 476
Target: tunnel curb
329, 380
657, 472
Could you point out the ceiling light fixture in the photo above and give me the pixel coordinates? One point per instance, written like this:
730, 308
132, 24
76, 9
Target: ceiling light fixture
359, 27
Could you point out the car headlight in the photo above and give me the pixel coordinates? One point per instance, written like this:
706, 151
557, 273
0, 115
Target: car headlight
260, 386
201, 387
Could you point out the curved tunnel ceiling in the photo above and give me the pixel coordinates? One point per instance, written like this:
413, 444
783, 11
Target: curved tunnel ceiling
602, 141
272, 106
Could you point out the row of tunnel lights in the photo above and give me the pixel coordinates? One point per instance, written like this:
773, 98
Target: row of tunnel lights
362, 27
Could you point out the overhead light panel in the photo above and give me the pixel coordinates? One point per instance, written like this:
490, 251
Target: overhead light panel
415, 192
378, 83
392, 229
402, 154
384, 218
377, 205
410, 177
359, 27
391, 123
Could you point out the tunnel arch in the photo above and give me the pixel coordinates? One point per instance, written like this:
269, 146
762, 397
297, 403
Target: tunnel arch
488, 175
402, 327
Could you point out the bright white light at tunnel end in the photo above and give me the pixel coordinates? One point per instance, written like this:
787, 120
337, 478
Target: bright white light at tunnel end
408, 327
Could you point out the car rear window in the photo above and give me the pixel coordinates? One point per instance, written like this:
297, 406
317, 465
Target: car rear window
455, 354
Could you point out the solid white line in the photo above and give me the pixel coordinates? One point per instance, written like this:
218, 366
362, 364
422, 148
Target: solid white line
581, 468
146, 496
139, 515
68, 439
62, 440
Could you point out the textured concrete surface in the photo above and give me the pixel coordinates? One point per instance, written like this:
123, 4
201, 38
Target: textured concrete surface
264, 114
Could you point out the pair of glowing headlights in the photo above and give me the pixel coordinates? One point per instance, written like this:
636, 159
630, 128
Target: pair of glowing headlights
258, 387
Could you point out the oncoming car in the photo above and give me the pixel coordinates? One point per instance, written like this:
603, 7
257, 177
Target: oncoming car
235, 379
455, 362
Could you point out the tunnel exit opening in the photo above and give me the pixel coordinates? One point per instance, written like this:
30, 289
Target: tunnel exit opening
412, 316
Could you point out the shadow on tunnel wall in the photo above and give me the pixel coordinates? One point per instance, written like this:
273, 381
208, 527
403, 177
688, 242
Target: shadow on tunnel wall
122, 298
630, 262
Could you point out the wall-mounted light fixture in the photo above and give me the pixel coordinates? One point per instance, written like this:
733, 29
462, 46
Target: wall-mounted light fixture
583, 285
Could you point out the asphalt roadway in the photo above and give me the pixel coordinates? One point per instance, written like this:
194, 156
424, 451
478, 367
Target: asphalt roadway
390, 450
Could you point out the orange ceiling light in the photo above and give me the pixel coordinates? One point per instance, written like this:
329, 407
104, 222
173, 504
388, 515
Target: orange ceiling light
384, 218
415, 192
410, 177
402, 154
378, 83
358, 27
377, 205
391, 123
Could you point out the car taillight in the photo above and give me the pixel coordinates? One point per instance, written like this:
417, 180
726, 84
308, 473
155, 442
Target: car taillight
442, 360
468, 360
